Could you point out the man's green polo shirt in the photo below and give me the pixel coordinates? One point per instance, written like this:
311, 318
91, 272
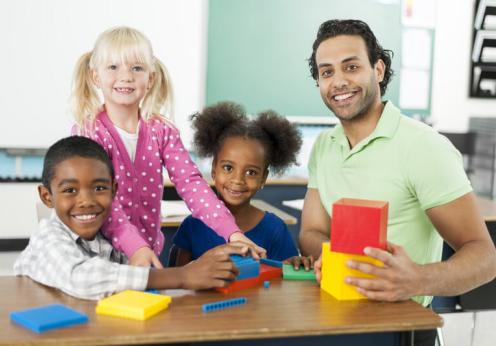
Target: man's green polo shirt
403, 162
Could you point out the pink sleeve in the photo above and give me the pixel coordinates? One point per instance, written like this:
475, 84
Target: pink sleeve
122, 234
193, 189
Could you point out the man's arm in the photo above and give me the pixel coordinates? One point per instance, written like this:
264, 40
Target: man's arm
474, 263
315, 225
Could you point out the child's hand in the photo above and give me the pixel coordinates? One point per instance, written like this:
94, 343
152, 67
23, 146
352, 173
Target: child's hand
214, 268
256, 251
298, 261
145, 257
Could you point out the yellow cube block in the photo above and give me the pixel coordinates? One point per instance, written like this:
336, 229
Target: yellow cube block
133, 304
334, 272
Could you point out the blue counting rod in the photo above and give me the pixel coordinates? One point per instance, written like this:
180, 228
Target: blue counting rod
223, 304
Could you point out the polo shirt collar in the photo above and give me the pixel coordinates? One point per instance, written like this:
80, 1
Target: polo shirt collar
89, 245
386, 128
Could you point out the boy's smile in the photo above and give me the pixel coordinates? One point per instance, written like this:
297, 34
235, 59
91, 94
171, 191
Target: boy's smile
81, 192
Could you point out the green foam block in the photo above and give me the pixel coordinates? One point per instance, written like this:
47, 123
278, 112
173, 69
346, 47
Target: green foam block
288, 273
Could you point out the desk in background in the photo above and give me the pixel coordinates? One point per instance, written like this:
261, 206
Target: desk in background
286, 309
171, 223
176, 220
487, 207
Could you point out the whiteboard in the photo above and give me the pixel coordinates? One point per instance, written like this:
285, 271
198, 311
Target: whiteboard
41, 41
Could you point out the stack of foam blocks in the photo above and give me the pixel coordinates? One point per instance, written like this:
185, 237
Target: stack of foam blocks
252, 273
355, 224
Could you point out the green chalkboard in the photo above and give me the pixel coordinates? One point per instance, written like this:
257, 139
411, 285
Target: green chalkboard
258, 50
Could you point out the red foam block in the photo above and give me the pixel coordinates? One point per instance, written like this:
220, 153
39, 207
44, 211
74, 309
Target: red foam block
358, 223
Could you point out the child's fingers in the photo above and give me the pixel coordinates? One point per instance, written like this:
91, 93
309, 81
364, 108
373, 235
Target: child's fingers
307, 262
156, 263
256, 251
226, 275
219, 283
226, 266
262, 253
239, 244
297, 261
224, 251
253, 253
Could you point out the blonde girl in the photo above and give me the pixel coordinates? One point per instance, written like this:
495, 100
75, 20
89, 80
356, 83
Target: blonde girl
140, 141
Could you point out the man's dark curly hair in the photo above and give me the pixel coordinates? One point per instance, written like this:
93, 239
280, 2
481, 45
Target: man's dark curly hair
337, 27
280, 138
69, 147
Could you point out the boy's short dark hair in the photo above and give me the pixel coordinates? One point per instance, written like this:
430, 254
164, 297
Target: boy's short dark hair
69, 147
352, 27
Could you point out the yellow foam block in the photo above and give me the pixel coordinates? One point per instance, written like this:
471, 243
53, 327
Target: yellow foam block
334, 272
133, 304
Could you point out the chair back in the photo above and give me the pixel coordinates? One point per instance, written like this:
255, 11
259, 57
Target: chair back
465, 143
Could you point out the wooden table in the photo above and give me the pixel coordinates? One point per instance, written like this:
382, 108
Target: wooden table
175, 221
286, 309
487, 208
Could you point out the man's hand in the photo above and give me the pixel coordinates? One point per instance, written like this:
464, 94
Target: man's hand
399, 279
301, 261
214, 268
145, 257
256, 251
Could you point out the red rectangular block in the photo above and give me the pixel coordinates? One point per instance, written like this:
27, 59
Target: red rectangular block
358, 223
266, 273
240, 285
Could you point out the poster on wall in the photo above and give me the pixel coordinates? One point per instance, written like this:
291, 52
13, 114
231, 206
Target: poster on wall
483, 59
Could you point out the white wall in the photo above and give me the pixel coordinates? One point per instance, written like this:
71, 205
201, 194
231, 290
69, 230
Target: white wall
451, 106
42, 40
18, 216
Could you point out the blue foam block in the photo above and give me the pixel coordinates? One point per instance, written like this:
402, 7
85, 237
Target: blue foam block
272, 263
223, 304
48, 317
152, 290
247, 266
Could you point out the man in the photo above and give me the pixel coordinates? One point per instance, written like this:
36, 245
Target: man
376, 153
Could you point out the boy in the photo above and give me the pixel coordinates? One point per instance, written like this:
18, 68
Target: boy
69, 253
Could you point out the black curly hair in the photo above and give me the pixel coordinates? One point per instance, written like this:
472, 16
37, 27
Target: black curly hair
280, 138
69, 147
337, 27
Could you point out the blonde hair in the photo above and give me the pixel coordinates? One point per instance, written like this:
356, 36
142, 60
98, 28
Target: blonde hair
120, 44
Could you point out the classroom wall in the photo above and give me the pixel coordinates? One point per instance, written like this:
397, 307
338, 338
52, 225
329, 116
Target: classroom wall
451, 106
18, 216
43, 39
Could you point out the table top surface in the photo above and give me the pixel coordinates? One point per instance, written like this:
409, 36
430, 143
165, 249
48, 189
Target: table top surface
175, 220
487, 208
285, 309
